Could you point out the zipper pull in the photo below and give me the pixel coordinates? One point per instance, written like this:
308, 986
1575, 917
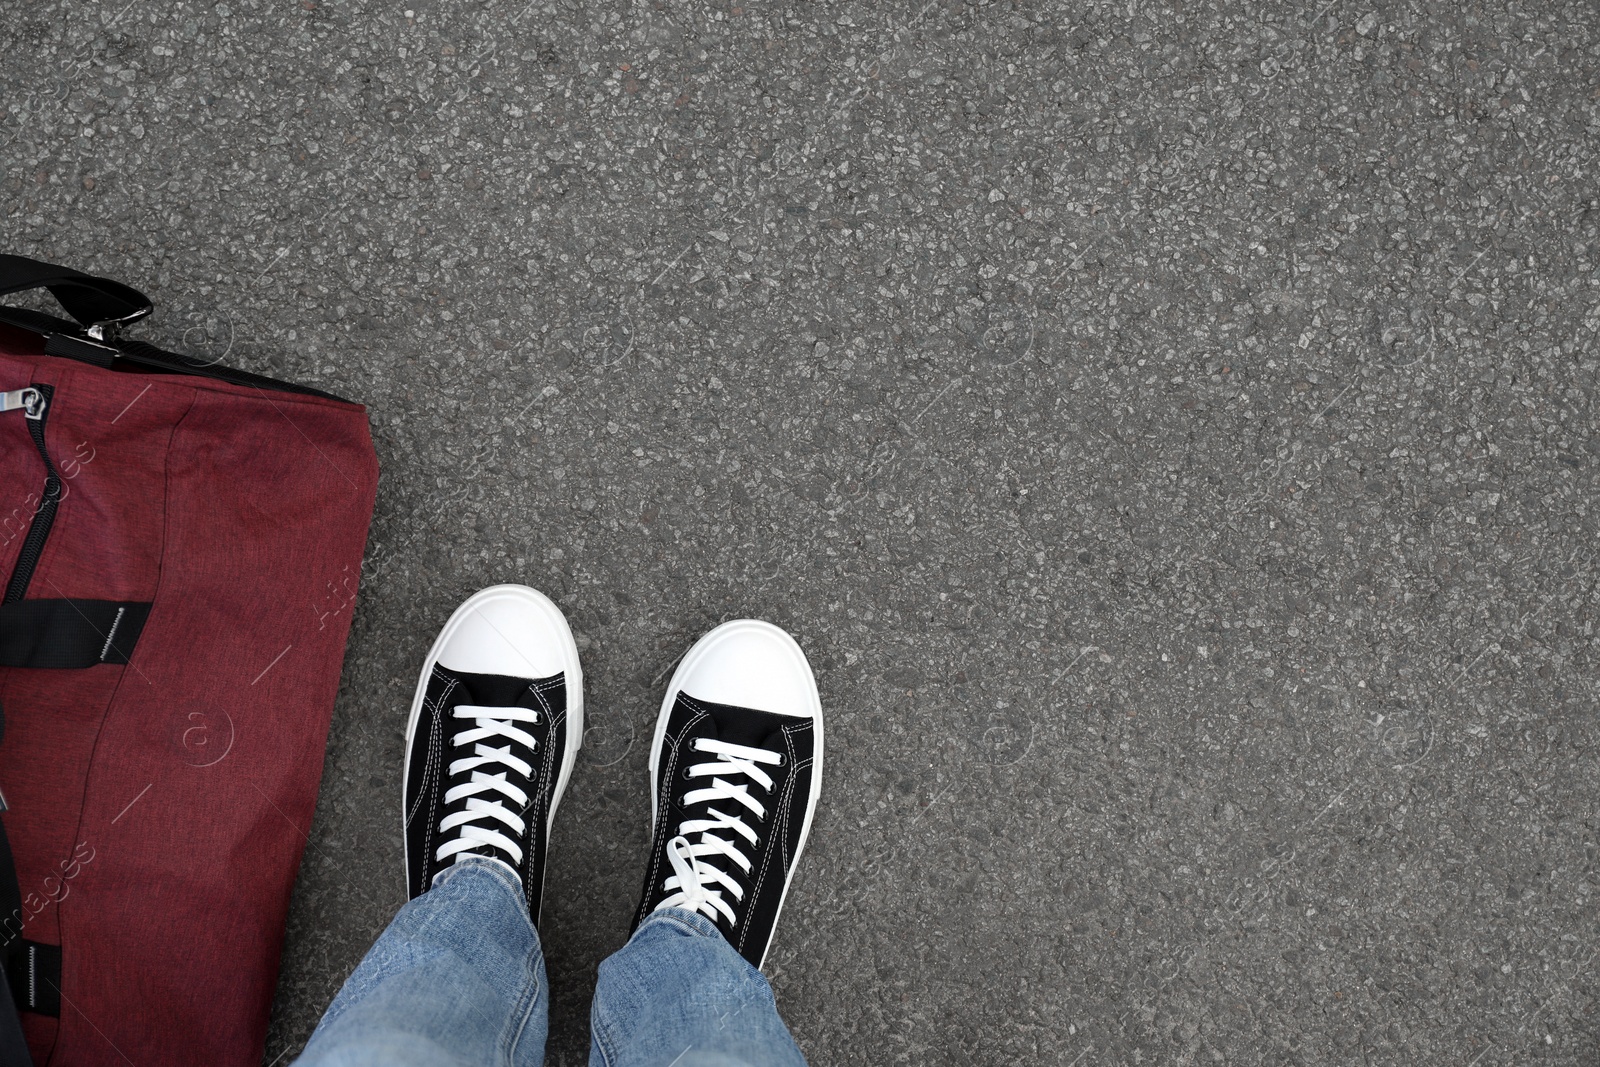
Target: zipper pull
30, 400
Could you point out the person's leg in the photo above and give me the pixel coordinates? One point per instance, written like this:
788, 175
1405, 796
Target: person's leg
678, 993
735, 770
458, 977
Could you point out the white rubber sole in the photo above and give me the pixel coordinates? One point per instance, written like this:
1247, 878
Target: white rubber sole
572, 671
705, 647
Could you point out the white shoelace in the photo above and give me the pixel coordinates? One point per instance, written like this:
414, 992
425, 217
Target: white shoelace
700, 884
493, 809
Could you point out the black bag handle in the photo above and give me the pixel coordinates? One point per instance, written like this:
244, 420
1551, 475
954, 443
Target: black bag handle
95, 302
102, 307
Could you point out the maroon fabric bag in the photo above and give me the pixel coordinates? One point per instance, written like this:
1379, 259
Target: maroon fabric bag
170, 649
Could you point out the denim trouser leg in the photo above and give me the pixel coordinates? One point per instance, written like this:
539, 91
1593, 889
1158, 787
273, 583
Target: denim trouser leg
678, 994
456, 979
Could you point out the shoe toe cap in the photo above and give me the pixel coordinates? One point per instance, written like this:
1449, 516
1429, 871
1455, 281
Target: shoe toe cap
507, 630
751, 664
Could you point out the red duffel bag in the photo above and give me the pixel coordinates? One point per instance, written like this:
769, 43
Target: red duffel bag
179, 545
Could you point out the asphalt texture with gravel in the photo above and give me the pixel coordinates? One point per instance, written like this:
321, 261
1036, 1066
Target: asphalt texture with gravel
1170, 431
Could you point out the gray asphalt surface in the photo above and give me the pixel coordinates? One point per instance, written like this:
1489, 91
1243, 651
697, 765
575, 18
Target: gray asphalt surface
1170, 431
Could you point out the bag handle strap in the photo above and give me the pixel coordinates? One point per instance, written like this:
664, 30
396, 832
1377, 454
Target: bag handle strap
102, 307
97, 303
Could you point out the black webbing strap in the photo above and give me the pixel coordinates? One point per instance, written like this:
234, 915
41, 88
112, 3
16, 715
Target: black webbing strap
34, 974
13, 1047
69, 634
70, 347
88, 299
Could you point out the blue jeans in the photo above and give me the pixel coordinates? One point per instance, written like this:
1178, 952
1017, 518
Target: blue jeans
458, 979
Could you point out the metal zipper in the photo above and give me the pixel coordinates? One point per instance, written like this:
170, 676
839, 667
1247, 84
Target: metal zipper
29, 400
34, 403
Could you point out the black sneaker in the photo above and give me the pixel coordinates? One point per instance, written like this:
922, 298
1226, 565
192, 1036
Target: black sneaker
494, 732
735, 770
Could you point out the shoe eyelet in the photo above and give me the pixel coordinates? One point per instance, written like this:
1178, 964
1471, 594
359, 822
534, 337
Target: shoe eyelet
686, 775
781, 760
694, 745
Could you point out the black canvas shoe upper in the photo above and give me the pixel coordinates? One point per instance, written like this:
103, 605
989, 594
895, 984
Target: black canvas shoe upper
435, 748
779, 831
